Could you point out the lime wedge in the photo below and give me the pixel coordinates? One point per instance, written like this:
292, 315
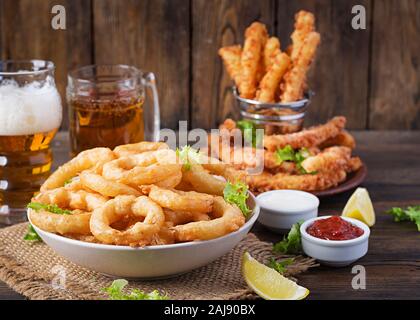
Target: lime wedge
360, 207
268, 283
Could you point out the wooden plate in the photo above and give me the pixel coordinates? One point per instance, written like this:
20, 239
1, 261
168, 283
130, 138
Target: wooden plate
353, 180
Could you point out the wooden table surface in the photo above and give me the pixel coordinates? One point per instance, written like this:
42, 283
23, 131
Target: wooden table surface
392, 264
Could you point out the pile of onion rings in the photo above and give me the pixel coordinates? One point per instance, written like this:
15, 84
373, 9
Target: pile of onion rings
138, 195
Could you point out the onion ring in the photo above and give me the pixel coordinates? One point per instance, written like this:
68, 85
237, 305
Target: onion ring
203, 181
135, 148
230, 219
106, 187
83, 161
144, 168
140, 234
81, 203
178, 200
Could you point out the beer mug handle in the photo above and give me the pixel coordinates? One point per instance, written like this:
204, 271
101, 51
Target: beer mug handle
149, 81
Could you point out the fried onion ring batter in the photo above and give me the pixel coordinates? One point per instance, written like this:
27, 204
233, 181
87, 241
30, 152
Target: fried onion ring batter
139, 234
144, 168
81, 203
83, 161
229, 219
178, 200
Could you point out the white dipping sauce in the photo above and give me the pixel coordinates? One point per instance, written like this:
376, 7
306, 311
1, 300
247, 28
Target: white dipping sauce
288, 201
280, 209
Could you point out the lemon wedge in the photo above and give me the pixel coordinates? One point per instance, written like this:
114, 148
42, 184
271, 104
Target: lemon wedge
268, 283
360, 207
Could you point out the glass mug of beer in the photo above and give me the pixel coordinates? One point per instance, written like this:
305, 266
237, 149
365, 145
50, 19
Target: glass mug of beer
30, 115
106, 107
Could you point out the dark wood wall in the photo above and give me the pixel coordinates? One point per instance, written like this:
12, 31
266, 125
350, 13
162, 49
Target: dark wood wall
371, 76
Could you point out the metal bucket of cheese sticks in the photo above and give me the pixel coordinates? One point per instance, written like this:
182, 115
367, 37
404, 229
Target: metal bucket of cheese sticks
276, 118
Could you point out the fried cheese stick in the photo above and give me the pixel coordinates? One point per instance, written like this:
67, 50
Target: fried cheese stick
304, 23
344, 138
330, 159
295, 78
307, 138
255, 39
271, 81
306, 182
231, 57
271, 50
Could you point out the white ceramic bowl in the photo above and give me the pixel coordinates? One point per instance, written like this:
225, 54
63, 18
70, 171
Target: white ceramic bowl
280, 217
333, 252
148, 262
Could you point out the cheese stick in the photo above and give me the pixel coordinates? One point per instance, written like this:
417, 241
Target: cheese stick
295, 78
271, 50
304, 24
231, 57
255, 38
271, 80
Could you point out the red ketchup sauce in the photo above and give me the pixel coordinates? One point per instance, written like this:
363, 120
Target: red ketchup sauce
334, 228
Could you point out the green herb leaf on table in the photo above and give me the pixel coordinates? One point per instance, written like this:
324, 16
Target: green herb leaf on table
249, 131
53, 208
116, 292
291, 244
237, 193
31, 234
280, 266
409, 214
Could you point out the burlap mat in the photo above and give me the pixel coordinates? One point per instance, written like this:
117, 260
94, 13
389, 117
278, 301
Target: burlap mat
32, 268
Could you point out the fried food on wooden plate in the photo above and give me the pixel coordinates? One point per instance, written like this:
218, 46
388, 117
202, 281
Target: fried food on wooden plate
313, 159
306, 138
139, 195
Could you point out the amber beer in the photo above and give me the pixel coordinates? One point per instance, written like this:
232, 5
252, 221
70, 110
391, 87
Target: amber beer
106, 106
30, 115
103, 123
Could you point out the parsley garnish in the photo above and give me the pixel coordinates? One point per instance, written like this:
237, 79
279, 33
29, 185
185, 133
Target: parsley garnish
53, 208
116, 292
31, 234
237, 194
280, 266
289, 154
292, 243
408, 214
188, 156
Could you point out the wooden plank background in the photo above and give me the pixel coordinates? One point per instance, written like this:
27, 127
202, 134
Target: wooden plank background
371, 76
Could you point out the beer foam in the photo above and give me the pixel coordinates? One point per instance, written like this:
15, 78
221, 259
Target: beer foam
30, 109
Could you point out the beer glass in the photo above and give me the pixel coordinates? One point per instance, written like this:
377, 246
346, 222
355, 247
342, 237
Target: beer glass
30, 115
106, 107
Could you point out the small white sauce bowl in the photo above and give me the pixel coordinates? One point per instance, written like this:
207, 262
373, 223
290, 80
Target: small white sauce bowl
335, 253
280, 209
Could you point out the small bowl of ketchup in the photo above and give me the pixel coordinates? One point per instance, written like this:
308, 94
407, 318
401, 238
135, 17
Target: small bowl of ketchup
335, 241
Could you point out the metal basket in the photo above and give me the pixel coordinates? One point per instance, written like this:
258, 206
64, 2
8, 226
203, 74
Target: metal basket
277, 118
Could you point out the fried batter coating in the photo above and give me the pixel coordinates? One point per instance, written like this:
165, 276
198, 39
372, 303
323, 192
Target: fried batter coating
295, 78
307, 138
304, 23
271, 51
228, 219
231, 57
255, 39
271, 81
330, 159
344, 138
